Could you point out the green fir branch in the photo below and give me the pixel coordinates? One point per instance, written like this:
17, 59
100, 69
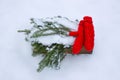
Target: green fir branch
53, 54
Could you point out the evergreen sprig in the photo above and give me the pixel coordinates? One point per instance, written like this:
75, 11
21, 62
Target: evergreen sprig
53, 54
53, 57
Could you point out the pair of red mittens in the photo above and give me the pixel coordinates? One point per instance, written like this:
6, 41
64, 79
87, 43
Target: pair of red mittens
84, 36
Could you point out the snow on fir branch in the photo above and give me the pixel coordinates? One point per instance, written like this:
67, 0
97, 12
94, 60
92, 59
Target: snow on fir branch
49, 37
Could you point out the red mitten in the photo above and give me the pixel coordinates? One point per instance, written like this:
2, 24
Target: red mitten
88, 33
73, 33
78, 43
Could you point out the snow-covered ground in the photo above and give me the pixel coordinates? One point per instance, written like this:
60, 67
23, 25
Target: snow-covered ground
16, 62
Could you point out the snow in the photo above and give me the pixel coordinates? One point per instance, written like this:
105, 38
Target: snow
49, 40
16, 62
55, 39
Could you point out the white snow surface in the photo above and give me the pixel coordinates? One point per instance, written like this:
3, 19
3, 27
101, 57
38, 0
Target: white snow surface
16, 62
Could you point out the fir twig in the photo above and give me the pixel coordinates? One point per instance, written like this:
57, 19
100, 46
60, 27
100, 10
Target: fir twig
53, 54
